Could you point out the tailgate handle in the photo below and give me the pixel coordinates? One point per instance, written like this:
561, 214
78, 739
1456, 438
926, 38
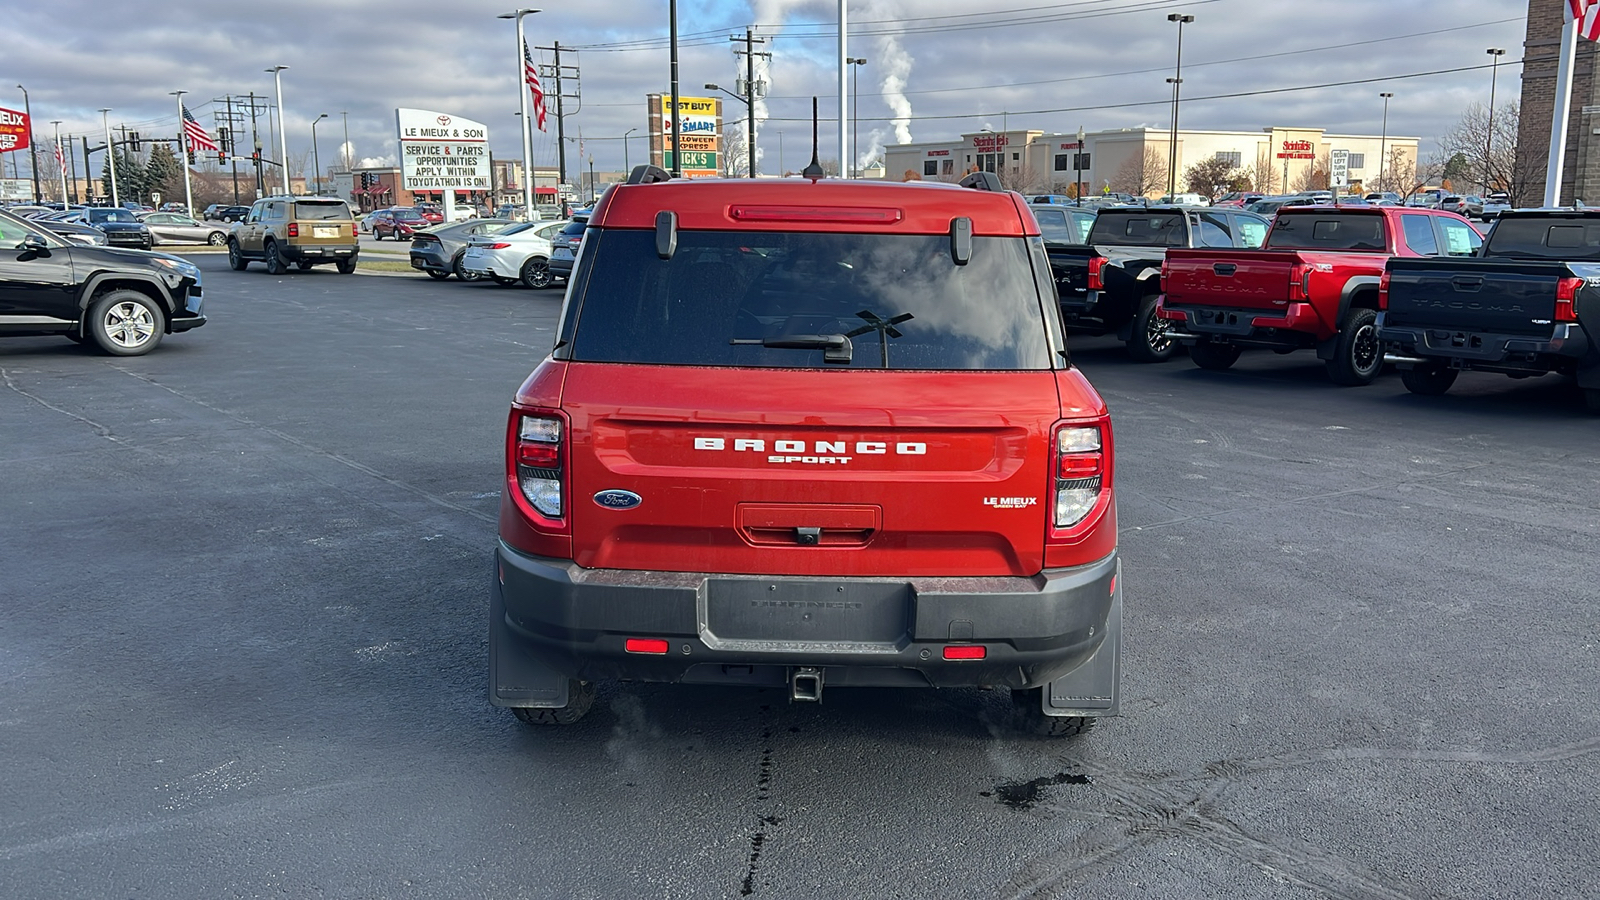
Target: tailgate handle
1467, 282
1224, 268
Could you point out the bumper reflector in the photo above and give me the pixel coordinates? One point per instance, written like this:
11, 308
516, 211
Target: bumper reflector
966, 651
645, 645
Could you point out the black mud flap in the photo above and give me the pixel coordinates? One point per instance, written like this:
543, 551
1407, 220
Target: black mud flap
515, 678
1094, 688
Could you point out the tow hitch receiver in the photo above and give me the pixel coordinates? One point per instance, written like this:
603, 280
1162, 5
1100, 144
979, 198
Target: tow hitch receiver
805, 685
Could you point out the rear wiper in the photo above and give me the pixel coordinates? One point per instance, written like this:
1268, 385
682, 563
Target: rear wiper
836, 347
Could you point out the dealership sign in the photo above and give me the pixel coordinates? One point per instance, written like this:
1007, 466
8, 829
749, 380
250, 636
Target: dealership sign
14, 130
442, 152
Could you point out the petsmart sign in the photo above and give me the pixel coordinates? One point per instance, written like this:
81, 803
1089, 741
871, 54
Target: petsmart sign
442, 152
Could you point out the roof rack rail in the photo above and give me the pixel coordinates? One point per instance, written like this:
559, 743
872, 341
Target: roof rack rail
982, 181
648, 174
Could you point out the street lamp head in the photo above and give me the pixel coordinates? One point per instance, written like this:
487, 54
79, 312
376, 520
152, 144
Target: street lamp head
518, 14
1175, 17
275, 69
1492, 51
319, 118
1174, 81
712, 87
855, 61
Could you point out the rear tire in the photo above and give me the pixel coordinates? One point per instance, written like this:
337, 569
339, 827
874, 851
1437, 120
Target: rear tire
304, 265
236, 260
217, 239
436, 274
1357, 357
1148, 341
461, 270
347, 266
580, 698
1031, 719
1215, 357
275, 264
1429, 382
503, 281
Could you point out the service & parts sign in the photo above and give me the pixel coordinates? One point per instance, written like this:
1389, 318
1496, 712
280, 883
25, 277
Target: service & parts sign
439, 151
14, 130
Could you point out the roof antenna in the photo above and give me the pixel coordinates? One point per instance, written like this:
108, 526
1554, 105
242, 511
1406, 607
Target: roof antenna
814, 170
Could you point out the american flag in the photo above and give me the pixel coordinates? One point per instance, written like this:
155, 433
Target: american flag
61, 159
531, 75
198, 139
1587, 14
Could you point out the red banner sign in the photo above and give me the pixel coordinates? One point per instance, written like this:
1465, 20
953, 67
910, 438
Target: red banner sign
14, 130
938, 152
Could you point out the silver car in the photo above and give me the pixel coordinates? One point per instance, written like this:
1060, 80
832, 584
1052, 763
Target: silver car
177, 228
520, 253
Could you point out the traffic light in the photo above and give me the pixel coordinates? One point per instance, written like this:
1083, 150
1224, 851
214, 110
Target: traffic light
225, 140
222, 157
133, 141
191, 157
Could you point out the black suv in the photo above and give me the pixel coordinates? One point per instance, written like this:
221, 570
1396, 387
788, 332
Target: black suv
121, 301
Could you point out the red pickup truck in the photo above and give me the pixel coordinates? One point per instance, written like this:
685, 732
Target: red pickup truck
1313, 285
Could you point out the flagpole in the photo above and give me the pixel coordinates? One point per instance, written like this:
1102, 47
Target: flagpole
183, 155
1558, 123
61, 163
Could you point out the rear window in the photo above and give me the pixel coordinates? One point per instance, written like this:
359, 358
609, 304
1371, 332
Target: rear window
1543, 238
1327, 231
1140, 229
882, 301
574, 228
321, 209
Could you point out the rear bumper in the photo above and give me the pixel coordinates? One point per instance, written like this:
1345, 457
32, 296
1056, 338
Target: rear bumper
748, 629
315, 252
1294, 323
1465, 349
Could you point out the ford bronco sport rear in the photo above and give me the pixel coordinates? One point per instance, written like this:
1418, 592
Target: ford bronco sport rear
809, 433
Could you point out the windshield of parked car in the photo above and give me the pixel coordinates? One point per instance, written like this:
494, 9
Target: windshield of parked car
1324, 229
321, 209
111, 215
1542, 237
1140, 229
807, 300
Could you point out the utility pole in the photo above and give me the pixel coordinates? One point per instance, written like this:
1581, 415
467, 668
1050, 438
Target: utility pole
230, 145
255, 146
557, 73
672, 111
751, 90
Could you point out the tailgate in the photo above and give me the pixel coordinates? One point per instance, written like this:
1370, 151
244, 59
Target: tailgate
1486, 295
1235, 279
727, 478
1070, 268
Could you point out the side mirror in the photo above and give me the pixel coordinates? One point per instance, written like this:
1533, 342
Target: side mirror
35, 244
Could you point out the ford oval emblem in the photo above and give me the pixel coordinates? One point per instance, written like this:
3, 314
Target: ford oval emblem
615, 499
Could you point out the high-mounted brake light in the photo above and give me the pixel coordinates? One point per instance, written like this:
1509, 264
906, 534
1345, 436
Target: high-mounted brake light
1097, 265
1078, 469
538, 457
1566, 299
294, 229
850, 215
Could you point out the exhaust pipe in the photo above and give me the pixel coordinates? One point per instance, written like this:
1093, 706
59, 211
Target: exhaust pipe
805, 685
1405, 360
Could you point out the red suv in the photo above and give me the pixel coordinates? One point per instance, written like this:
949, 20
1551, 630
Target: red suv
398, 223
807, 433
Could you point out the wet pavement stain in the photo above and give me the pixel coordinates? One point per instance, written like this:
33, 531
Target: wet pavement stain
1024, 794
763, 793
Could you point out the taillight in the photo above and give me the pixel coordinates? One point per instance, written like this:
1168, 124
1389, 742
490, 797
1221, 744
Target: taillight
1383, 290
1299, 282
294, 229
538, 461
1097, 265
1078, 467
1566, 294
498, 245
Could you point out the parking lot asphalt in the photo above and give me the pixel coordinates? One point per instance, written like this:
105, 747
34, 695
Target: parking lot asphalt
243, 653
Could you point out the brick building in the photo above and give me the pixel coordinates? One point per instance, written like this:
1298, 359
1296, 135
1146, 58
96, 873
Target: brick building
1541, 49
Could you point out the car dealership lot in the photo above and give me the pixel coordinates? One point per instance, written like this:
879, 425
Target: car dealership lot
244, 646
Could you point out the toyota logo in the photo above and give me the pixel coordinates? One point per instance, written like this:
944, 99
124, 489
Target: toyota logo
444, 121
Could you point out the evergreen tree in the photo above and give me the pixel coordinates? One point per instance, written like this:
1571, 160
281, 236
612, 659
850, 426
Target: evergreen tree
131, 183
164, 173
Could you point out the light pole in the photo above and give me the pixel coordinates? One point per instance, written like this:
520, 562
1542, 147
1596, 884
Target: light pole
855, 134
1081, 151
781, 170
33, 152
344, 149
111, 156
1488, 150
283, 128
749, 129
527, 120
1177, 84
625, 165
183, 153
61, 164
316, 157
1383, 141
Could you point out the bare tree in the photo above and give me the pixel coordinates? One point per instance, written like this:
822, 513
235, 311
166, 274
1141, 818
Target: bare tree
1207, 175
1142, 175
1262, 176
1491, 159
733, 157
1313, 177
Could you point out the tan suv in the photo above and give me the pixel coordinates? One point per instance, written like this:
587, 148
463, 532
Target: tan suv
304, 231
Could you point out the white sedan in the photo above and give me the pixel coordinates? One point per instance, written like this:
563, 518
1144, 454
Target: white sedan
520, 253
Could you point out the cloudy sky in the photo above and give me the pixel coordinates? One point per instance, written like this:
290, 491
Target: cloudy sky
936, 68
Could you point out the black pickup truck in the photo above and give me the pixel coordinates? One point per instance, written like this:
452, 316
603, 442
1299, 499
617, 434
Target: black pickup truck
1120, 269
1527, 304
1066, 240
